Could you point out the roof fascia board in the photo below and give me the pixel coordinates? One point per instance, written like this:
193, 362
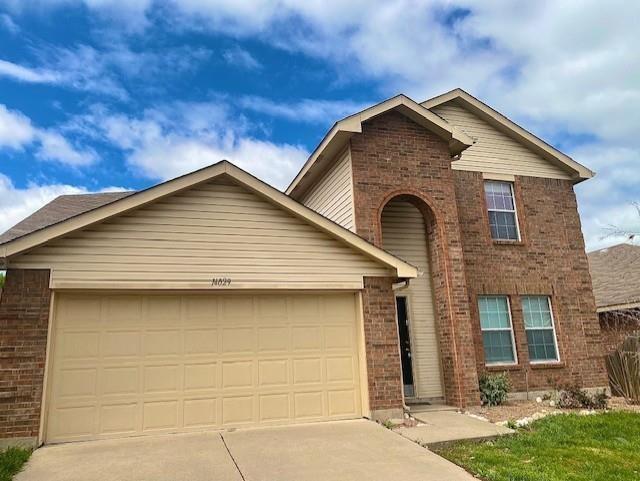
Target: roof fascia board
579, 171
619, 307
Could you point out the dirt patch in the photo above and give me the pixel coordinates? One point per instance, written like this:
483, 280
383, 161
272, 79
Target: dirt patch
514, 410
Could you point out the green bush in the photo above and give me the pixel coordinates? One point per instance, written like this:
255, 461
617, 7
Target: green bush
1, 280
494, 389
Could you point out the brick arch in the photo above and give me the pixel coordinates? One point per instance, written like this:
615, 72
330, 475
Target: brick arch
440, 267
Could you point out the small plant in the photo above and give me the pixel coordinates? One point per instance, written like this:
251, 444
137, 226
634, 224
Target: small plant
623, 366
494, 389
511, 424
573, 397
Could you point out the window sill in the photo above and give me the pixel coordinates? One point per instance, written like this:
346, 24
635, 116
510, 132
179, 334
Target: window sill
502, 367
500, 242
547, 365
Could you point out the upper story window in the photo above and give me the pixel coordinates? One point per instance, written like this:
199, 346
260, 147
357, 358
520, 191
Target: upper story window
501, 204
540, 328
497, 330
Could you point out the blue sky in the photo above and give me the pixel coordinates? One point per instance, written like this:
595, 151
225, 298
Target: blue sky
120, 94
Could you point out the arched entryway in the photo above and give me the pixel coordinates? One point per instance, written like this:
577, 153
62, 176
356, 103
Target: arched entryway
406, 227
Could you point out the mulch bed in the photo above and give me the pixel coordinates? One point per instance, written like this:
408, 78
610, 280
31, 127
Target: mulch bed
514, 410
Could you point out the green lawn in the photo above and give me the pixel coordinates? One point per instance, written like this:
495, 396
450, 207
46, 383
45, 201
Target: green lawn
558, 448
11, 461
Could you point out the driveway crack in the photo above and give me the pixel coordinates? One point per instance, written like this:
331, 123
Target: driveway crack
232, 458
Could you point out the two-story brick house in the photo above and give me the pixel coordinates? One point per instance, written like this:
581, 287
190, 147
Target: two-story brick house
420, 246
492, 224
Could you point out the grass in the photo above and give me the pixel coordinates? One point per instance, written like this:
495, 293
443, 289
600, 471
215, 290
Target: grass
11, 461
558, 448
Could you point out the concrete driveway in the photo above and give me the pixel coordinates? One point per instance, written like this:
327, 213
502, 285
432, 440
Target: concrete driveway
337, 451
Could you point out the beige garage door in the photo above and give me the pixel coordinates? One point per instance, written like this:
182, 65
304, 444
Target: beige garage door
127, 365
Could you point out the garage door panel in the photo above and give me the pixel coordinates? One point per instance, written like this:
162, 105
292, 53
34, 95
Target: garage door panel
238, 410
200, 341
120, 344
119, 418
120, 381
342, 402
162, 342
122, 309
238, 340
273, 373
79, 345
200, 376
160, 415
200, 413
307, 338
138, 364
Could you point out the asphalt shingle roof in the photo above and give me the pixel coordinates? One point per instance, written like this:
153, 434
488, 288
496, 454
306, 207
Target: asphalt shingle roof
60, 209
616, 275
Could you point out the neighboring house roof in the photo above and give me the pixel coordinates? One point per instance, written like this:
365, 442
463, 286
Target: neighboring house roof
578, 171
615, 272
335, 140
61, 208
42, 234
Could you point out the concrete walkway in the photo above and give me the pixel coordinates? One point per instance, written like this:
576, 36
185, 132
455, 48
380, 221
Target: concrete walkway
337, 451
438, 427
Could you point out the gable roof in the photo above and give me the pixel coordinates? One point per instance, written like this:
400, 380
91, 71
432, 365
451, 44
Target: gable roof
138, 199
577, 171
59, 209
615, 272
335, 140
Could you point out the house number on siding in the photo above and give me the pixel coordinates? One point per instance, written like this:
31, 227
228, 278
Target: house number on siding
221, 281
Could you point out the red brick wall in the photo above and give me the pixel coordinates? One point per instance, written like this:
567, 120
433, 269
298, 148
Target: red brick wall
616, 326
550, 260
393, 157
381, 341
24, 318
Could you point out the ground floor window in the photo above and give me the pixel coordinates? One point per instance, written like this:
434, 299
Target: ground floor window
540, 328
497, 330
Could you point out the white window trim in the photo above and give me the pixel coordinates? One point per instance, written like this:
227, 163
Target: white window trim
493, 329
514, 211
553, 327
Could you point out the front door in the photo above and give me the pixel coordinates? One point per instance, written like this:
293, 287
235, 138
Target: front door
405, 346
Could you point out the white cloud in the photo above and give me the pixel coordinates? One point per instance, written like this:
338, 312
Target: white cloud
54, 146
242, 58
86, 68
173, 139
26, 74
18, 203
7, 23
17, 132
305, 110
16, 129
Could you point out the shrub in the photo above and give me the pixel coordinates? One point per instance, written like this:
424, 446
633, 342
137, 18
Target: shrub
494, 388
572, 397
623, 367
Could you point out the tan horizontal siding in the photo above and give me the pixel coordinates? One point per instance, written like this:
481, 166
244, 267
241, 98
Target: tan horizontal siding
404, 234
332, 196
493, 151
215, 230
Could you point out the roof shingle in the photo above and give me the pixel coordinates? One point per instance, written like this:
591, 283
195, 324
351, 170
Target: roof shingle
615, 272
60, 209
